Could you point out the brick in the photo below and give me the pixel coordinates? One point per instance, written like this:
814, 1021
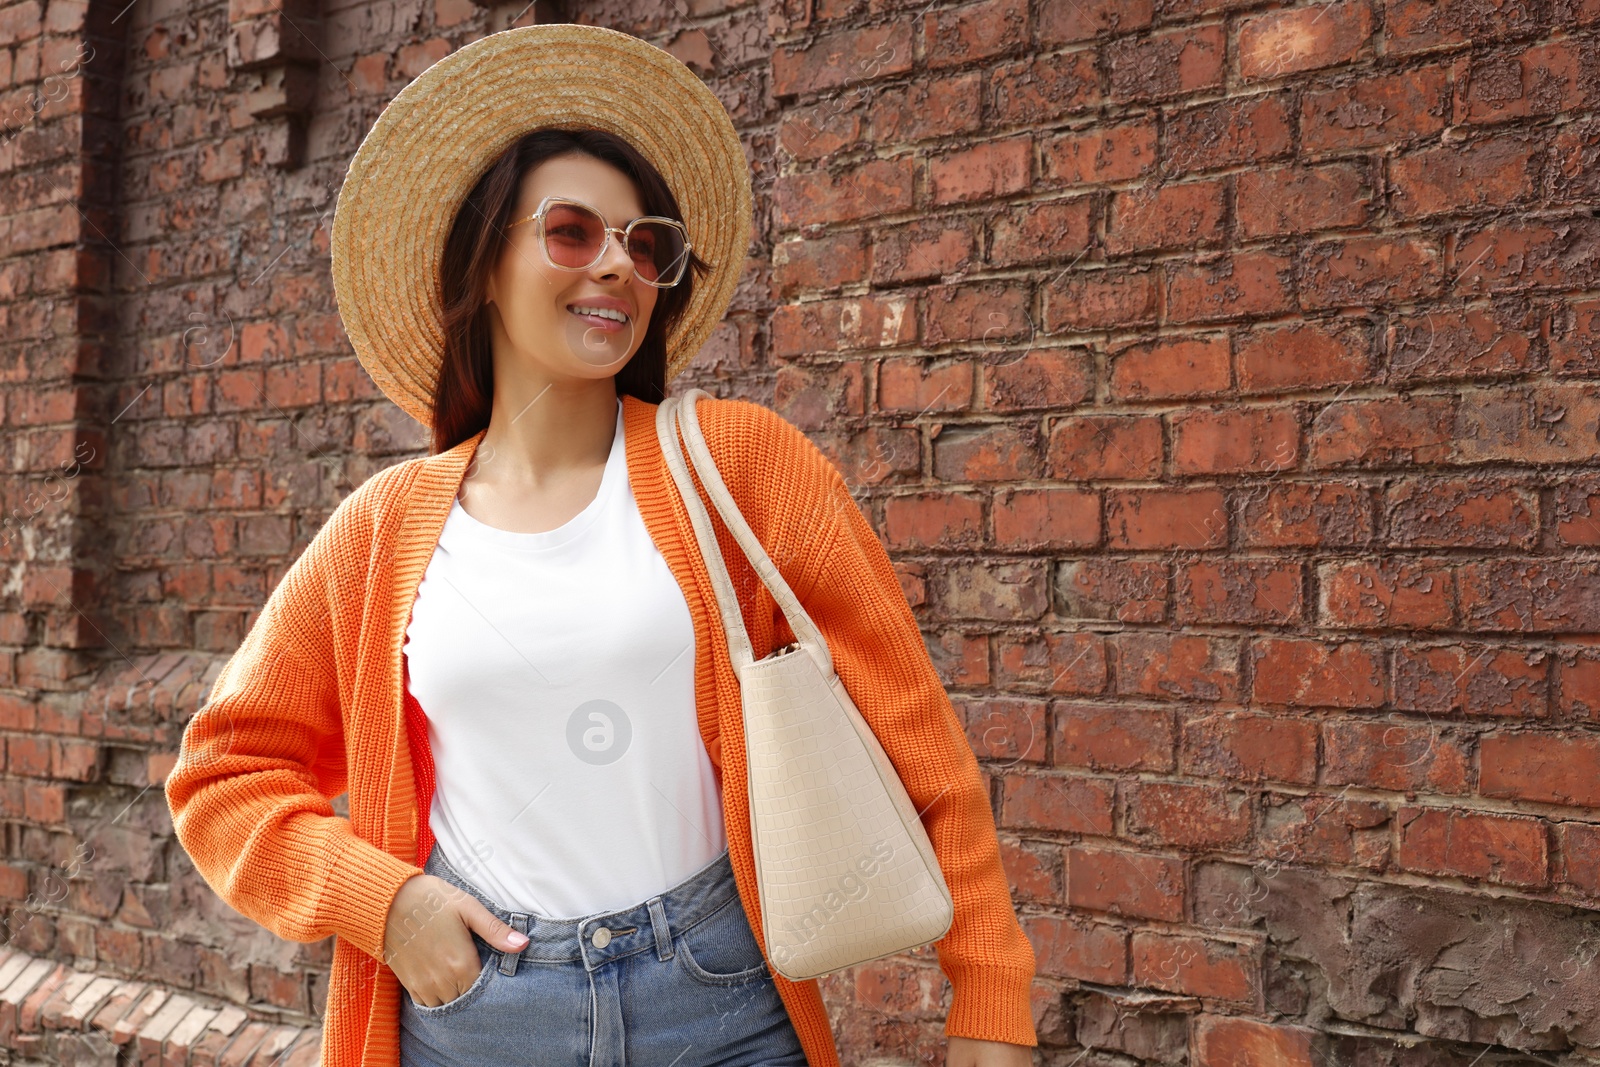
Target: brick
843, 57
1305, 673
1538, 596
1507, 850
974, 32
1385, 432
1186, 815
1038, 231
1244, 591
1235, 1042
1176, 666
1401, 756
822, 129
876, 187
1293, 514
1519, 254
939, 520
945, 105
1472, 342
1387, 593
1229, 132
1480, 176
1376, 110
1307, 38
1155, 518
1199, 966
1071, 804
1005, 729
1114, 738
1165, 64
1236, 441
1029, 520
1548, 424
1090, 299
993, 312
1179, 367
1253, 748
1040, 378
920, 386
1245, 284
1105, 446
1074, 948
982, 172
811, 396
1295, 200
1002, 452
1539, 80
1128, 590
991, 591
1069, 21
1113, 153
840, 325
1041, 90
1166, 216
1412, 26
1528, 765
875, 455
1571, 176
1071, 664
1460, 513
1578, 685
1578, 845
1471, 680
1575, 339
1364, 271
923, 249
1576, 512
1125, 883
1304, 355
826, 263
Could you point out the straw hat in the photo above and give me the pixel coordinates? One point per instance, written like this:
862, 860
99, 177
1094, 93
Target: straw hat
436, 138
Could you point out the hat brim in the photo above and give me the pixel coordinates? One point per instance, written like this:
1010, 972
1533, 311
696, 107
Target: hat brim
439, 134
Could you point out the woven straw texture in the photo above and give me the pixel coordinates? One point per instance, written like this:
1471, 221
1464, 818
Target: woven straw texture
440, 133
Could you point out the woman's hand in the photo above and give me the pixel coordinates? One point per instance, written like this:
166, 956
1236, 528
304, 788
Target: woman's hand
971, 1052
427, 939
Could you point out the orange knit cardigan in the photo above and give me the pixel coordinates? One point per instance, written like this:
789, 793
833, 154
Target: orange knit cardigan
311, 705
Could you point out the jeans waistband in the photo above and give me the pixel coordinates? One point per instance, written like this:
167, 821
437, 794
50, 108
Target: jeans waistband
594, 939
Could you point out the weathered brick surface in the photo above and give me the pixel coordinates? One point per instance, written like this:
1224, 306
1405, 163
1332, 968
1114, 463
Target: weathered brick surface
1223, 377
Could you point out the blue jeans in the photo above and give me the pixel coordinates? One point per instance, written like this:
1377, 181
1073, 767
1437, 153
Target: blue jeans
677, 981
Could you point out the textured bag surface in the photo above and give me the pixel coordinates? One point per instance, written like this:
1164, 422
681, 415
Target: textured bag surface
844, 867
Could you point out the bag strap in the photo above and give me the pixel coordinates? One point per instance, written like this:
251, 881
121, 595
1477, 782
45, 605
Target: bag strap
806, 633
727, 600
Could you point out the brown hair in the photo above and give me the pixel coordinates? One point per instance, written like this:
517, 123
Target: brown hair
464, 392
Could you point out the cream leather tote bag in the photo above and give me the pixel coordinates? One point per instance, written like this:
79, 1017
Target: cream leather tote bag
844, 867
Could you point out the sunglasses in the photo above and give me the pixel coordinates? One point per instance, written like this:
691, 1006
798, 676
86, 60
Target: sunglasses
574, 236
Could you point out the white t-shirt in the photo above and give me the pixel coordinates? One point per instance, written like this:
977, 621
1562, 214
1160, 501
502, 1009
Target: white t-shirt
556, 670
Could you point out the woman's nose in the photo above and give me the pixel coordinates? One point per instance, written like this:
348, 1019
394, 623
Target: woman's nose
615, 258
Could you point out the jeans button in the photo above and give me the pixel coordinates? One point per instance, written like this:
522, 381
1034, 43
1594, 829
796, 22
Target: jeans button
601, 938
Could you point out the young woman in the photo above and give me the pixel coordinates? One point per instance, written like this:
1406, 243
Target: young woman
562, 757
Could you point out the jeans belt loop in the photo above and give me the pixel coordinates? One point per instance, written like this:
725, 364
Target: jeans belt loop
509, 960
663, 932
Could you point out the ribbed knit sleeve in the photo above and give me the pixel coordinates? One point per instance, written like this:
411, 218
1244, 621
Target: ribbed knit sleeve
259, 764
851, 592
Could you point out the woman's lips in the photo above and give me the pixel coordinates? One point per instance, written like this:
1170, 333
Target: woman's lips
600, 322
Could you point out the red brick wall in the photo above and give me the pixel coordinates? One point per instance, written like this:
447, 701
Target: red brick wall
1222, 377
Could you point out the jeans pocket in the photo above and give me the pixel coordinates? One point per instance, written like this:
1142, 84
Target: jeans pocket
721, 950
488, 963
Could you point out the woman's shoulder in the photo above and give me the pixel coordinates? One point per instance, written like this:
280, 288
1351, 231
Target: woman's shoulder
367, 510
745, 429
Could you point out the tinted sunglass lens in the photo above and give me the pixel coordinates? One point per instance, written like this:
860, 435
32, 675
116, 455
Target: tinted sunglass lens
572, 235
657, 250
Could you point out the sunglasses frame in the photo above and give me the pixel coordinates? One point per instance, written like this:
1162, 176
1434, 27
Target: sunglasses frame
605, 243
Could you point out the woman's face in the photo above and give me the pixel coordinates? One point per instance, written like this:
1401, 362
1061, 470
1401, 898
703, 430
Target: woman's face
531, 303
